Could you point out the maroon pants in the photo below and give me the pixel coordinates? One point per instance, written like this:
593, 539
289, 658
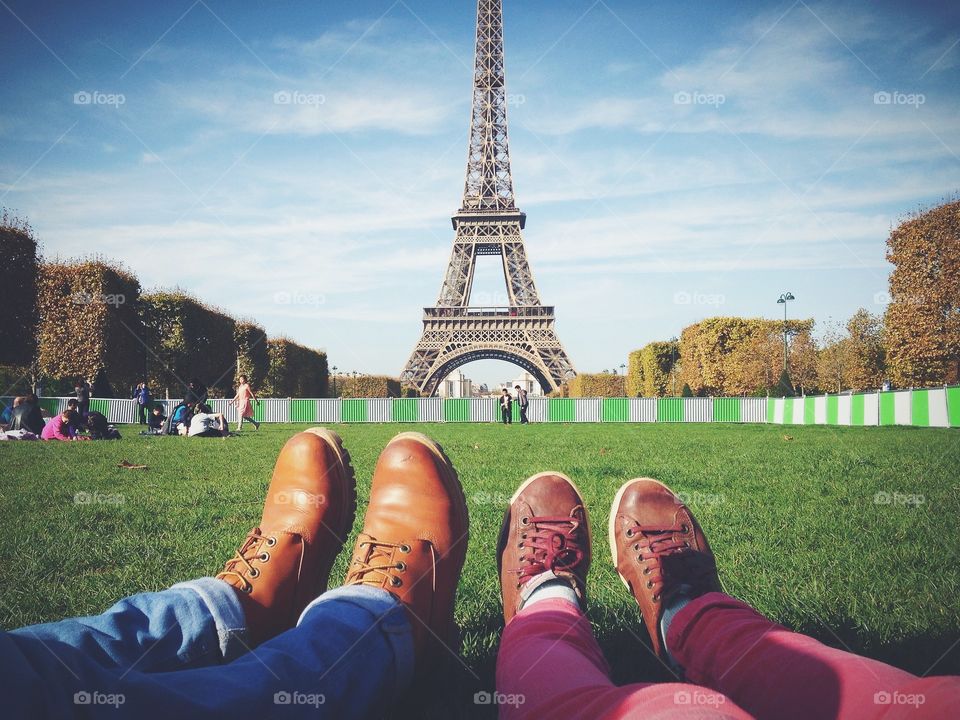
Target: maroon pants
738, 663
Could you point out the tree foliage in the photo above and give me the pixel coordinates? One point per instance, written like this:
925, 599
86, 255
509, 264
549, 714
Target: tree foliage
19, 271
597, 385
295, 371
253, 353
368, 386
922, 328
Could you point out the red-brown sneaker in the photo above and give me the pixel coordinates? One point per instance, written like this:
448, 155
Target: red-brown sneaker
659, 551
545, 537
286, 561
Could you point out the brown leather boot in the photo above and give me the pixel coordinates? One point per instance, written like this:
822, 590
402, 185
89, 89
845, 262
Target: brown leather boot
285, 563
659, 551
414, 540
545, 536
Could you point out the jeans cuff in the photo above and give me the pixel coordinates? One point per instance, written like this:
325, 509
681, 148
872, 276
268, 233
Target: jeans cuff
389, 615
224, 606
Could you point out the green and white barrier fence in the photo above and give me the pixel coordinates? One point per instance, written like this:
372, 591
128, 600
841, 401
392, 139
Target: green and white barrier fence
938, 407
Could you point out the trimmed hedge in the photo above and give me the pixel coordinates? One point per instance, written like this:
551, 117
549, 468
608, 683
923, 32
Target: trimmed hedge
188, 339
368, 386
253, 352
89, 322
19, 274
295, 371
598, 385
634, 382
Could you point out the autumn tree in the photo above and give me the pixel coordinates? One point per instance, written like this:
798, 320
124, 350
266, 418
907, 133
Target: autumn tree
922, 324
864, 355
19, 269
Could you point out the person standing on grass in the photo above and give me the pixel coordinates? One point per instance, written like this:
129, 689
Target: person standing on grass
506, 407
524, 402
243, 401
83, 395
143, 398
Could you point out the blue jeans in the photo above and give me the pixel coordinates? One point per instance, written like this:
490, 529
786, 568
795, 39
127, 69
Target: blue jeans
183, 653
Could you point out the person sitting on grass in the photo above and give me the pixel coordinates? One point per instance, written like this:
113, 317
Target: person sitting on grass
357, 651
58, 427
206, 423
99, 427
179, 418
156, 420
26, 415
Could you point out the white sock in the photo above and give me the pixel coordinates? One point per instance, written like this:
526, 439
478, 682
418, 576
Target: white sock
552, 590
678, 603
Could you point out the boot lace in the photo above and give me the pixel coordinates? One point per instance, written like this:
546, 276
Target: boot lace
552, 543
667, 555
239, 566
378, 565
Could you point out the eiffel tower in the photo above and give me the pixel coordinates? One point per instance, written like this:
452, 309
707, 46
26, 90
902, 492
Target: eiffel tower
488, 223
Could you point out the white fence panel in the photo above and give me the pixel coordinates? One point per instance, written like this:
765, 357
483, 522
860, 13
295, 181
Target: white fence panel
753, 410
537, 412
937, 400
430, 409
643, 409
379, 410
222, 405
798, 408
779, 407
844, 409
698, 409
587, 410
903, 408
482, 410
820, 410
871, 409
276, 410
328, 411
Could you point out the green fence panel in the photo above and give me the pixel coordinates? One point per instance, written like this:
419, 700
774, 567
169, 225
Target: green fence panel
771, 410
920, 408
953, 406
561, 410
857, 410
353, 410
456, 410
303, 411
615, 410
788, 411
258, 409
888, 409
51, 405
809, 411
100, 405
726, 409
670, 410
405, 410
833, 410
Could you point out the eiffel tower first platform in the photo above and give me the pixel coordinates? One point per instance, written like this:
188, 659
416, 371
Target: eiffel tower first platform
488, 223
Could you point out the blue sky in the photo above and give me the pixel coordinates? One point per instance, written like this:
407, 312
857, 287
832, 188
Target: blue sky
676, 160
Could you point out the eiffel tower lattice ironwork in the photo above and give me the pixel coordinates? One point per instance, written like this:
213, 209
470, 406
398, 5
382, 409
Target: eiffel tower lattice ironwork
488, 223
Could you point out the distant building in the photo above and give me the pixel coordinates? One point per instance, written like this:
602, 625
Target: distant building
528, 383
456, 385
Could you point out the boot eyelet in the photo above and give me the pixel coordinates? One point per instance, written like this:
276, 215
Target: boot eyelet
401, 566
264, 557
629, 533
271, 541
646, 571
248, 589
396, 582
684, 528
254, 572
525, 520
656, 598
404, 548
636, 547
649, 584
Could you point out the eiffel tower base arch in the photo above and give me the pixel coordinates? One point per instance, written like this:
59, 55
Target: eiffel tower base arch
450, 361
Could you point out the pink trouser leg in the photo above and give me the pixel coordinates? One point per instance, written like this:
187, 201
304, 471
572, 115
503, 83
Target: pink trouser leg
772, 672
550, 666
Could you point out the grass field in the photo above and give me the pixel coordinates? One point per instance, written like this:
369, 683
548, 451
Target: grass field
800, 526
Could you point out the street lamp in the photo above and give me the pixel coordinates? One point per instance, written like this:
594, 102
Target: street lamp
673, 364
334, 380
783, 300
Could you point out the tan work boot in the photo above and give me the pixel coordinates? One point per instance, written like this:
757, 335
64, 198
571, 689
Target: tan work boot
414, 540
659, 551
285, 562
545, 537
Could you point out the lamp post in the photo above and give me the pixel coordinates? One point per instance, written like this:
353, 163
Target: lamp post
334, 380
673, 364
783, 300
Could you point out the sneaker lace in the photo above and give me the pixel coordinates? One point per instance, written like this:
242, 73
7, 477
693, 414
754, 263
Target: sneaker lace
553, 543
239, 566
669, 555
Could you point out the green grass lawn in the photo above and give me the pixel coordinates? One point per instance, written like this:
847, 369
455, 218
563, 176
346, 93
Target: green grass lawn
794, 522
